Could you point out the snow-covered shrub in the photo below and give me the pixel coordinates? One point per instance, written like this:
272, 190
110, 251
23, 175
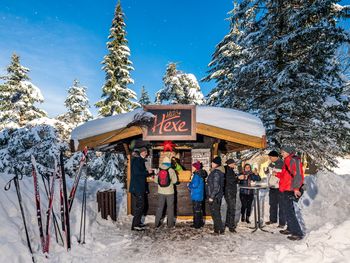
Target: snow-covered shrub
17, 146
109, 166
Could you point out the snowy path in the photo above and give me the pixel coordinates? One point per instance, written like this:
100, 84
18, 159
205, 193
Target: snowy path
111, 242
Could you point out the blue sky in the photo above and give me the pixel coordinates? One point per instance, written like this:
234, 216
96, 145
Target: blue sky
63, 40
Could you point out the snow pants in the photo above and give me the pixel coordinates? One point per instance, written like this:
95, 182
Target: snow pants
246, 200
230, 198
275, 202
215, 208
197, 214
138, 208
292, 222
167, 200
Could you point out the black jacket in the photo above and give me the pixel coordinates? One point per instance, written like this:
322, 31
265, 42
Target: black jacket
139, 173
216, 181
231, 180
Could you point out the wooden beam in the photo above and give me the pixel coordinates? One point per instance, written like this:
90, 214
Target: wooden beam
204, 129
215, 150
128, 177
109, 137
231, 136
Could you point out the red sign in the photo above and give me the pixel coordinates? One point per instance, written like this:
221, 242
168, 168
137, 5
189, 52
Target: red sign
171, 122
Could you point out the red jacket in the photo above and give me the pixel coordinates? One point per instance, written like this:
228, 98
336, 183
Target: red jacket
292, 178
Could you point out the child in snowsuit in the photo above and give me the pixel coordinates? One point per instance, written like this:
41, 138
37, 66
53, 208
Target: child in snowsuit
196, 187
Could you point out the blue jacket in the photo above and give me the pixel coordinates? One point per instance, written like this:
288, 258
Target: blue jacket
252, 177
196, 187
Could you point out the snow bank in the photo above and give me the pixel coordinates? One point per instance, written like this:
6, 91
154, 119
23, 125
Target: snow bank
13, 244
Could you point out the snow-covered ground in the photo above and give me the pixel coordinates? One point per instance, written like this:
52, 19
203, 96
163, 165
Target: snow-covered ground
325, 209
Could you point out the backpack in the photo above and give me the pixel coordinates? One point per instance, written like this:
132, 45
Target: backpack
164, 178
297, 163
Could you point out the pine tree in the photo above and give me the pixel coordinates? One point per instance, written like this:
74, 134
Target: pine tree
18, 96
179, 88
144, 99
116, 97
227, 56
77, 104
291, 77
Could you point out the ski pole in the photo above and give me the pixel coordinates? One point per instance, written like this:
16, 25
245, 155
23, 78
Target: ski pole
56, 226
85, 186
65, 201
19, 197
81, 216
77, 179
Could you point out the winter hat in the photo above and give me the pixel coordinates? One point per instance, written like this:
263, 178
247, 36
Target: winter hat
288, 149
166, 161
198, 165
217, 160
273, 154
143, 149
230, 161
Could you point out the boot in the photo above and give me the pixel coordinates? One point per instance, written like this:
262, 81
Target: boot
247, 220
295, 237
285, 232
242, 218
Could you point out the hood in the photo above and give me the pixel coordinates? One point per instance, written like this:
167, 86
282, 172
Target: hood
221, 169
164, 167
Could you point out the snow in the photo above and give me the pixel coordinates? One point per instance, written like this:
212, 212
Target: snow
34, 90
229, 119
103, 125
325, 208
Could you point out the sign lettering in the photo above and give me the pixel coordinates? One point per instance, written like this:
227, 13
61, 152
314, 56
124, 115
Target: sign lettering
171, 122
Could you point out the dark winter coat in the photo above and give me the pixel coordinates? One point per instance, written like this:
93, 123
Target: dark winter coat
216, 183
231, 180
139, 173
251, 177
196, 187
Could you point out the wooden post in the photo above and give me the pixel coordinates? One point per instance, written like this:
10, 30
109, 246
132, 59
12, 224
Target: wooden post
215, 149
128, 177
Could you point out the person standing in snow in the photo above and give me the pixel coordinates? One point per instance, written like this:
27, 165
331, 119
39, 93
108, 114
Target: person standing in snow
247, 195
231, 181
166, 178
138, 187
291, 180
215, 181
196, 187
275, 196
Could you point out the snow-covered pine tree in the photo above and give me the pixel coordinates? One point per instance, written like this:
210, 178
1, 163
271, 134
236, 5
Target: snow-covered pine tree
227, 56
18, 96
116, 96
179, 88
144, 98
77, 104
292, 79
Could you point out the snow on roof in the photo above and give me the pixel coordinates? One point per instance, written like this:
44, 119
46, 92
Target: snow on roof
230, 119
224, 118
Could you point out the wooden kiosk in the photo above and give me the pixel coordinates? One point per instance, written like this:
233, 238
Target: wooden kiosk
188, 132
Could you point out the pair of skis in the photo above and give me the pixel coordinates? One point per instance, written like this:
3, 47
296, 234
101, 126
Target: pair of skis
44, 239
